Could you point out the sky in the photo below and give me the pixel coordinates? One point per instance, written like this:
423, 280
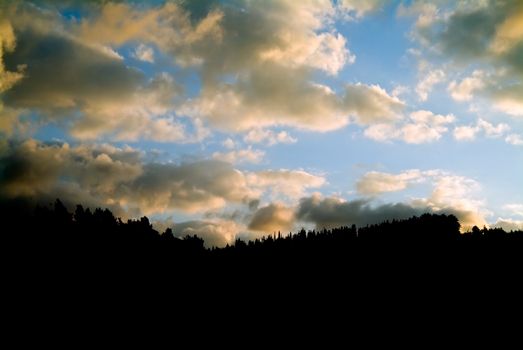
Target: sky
237, 119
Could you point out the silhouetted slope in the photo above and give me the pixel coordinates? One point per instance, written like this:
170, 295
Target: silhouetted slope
55, 232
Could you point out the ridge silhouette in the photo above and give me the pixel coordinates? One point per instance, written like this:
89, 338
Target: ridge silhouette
55, 231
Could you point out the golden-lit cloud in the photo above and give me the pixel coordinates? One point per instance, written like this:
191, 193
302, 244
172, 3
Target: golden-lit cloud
285, 184
483, 36
374, 182
119, 177
214, 233
247, 155
272, 218
450, 193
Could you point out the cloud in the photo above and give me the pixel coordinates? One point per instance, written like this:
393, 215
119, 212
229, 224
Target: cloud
285, 184
214, 233
485, 36
469, 132
514, 139
508, 224
464, 90
422, 127
333, 212
268, 137
144, 53
8, 44
269, 96
514, 208
118, 177
373, 183
465, 133
229, 143
450, 194
258, 65
359, 8
272, 218
87, 88
240, 156
371, 104
425, 85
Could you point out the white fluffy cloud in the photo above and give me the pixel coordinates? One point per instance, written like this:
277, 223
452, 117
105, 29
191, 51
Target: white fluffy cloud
214, 233
425, 85
268, 137
285, 184
469, 132
465, 89
422, 127
450, 193
144, 53
514, 139
247, 155
374, 183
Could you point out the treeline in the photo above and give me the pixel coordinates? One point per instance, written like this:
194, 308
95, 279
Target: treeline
54, 228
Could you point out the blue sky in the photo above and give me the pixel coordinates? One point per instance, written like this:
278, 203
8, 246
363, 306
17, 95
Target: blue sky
208, 116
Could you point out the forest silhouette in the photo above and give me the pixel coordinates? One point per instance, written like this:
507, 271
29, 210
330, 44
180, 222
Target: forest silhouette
63, 254
53, 231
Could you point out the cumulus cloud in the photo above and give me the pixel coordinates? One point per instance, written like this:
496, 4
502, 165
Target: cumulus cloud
272, 218
332, 212
86, 87
358, 8
425, 85
465, 133
422, 127
144, 53
514, 139
268, 137
469, 132
248, 155
285, 184
120, 178
464, 90
109, 176
229, 143
508, 224
257, 63
451, 193
371, 104
214, 233
7, 44
485, 34
373, 183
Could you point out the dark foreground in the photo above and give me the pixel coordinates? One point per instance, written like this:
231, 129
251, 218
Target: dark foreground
53, 240
61, 267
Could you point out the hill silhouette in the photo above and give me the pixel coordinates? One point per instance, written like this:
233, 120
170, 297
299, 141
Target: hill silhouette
54, 231
89, 257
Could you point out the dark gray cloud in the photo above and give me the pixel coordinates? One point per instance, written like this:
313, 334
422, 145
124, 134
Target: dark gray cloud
486, 36
117, 177
62, 74
333, 212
